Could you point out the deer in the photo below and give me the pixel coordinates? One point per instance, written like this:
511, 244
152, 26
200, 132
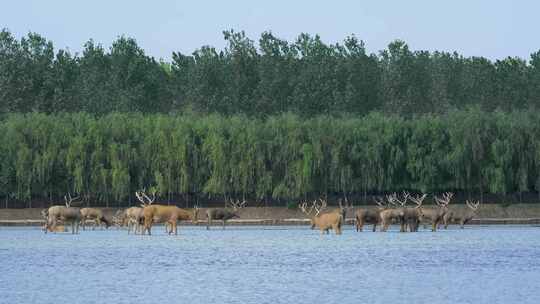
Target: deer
394, 214
412, 215
370, 216
461, 216
45, 215
163, 214
65, 213
324, 221
181, 215
344, 208
436, 215
224, 214
133, 218
93, 214
119, 218
58, 228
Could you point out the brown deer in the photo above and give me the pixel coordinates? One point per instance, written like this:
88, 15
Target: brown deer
436, 215
119, 218
461, 216
163, 214
370, 216
181, 215
324, 221
45, 227
224, 214
344, 209
395, 214
66, 213
412, 215
94, 214
134, 219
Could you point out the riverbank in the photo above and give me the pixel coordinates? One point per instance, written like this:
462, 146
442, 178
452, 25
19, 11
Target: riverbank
487, 214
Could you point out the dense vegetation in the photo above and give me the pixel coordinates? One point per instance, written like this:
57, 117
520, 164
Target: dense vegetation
269, 120
273, 76
284, 156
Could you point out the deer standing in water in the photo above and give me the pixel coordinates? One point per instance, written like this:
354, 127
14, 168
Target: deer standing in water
461, 216
224, 214
344, 209
66, 214
119, 218
94, 214
57, 228
413, 215
324, 221
133, 219
170, 215
436, 215
396, 214
370, 216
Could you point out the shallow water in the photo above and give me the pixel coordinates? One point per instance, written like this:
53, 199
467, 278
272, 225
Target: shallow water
495, 264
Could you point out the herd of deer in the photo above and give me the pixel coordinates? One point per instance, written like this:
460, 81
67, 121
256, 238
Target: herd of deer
393, 210
136, 219
73, 215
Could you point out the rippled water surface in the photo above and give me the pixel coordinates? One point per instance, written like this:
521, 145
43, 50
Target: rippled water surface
495, 264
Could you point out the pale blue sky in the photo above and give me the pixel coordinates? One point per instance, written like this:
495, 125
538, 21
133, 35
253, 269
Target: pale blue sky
490, 28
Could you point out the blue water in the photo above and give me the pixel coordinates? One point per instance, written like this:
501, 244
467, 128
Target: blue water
495, 264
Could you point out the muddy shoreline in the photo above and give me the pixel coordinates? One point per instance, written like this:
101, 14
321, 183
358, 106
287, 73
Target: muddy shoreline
528, 214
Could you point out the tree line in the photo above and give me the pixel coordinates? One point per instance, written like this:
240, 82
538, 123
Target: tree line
109, 157
273, 76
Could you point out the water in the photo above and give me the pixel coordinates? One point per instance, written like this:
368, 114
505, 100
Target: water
495, 264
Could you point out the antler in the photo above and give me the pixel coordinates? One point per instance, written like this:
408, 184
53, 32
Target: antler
70, 200
144, 199
390, 199
473, 205
323, 205
380, 201
418, 200
342, 206
150, 200
393, 199
319, 207
139, 197
304, 209
445, 200
237, 204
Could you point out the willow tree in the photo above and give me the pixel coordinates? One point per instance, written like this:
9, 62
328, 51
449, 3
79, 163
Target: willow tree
284, 156
427, 150
216, 148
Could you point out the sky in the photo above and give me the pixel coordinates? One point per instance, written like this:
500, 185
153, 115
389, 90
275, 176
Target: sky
494, 29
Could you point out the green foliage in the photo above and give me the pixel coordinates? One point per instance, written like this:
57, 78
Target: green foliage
269, 119
284, 156
307, 77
